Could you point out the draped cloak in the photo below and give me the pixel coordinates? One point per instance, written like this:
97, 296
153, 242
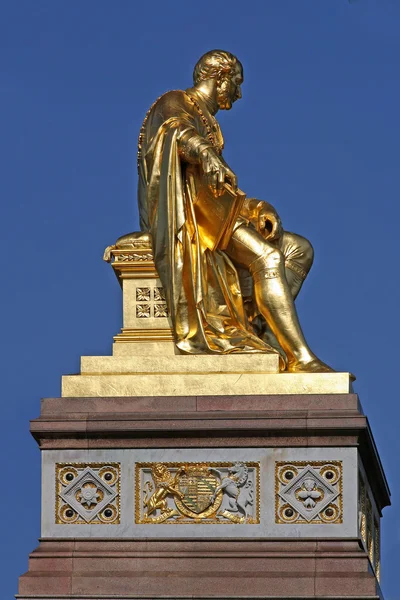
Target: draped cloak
202, 287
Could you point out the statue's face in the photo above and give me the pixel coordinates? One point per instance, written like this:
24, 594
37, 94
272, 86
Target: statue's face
229, 90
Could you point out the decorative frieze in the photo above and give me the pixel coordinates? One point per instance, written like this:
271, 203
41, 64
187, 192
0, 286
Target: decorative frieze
150, 303
134, 257
143, 311
370, 531
377, 545
160, 311
159, 294
369, 525
362, 509
143, 294
182, 493
258, 492
87, 493
308, 492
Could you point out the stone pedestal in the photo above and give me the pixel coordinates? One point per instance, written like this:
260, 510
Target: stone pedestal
282, 549
168, 476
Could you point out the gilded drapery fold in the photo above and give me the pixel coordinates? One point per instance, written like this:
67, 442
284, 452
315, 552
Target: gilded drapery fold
202, 287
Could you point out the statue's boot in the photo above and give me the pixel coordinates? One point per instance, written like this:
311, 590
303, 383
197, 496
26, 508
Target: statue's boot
275, 302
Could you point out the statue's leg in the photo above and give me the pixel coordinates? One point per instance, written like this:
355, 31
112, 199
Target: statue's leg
273, 296
299, 256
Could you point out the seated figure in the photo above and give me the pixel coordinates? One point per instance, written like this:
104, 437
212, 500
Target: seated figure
235, 298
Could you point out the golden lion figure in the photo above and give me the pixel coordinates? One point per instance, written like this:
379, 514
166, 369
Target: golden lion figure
165, 484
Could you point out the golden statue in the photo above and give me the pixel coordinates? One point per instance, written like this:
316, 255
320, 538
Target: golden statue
229, 271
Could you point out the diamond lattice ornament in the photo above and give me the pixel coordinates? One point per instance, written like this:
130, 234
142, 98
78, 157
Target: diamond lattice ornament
308, 493
88, 494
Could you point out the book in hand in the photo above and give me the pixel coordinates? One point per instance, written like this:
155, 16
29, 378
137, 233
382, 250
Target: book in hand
217, 215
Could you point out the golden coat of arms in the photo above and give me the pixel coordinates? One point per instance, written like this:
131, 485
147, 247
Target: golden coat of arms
197, 493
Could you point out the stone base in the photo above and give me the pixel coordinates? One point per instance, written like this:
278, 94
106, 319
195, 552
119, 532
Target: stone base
192, 375
264, 557
212, 384
193, 364
201, 569
231, 480
307, 420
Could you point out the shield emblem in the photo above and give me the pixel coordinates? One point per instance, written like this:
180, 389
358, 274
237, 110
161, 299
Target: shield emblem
198, 488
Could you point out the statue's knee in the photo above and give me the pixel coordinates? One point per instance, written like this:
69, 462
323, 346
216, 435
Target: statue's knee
298, 249
308, 252
272, 258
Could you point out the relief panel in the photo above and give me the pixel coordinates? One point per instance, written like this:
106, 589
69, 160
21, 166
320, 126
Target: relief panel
87, 493
182, 493
309, 492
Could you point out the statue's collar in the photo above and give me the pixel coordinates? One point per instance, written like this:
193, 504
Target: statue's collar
205, 103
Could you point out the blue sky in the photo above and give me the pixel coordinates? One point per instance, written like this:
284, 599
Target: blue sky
316, 134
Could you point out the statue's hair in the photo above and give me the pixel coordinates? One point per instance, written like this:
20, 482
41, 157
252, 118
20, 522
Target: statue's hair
214, 64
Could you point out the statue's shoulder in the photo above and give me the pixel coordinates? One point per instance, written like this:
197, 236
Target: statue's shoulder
170, 104
175, 94
172, 97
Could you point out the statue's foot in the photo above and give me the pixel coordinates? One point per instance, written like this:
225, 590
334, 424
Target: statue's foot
312, 366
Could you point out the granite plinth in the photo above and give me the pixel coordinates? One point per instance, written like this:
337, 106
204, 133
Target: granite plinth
127, 561
198, 569
200, 421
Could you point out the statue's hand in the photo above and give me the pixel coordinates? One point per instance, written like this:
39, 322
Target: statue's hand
267, 221
216, 171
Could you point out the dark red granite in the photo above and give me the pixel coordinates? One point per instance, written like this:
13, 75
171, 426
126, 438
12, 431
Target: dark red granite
193, 569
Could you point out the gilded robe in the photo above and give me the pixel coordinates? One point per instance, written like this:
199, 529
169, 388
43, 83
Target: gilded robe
202, 288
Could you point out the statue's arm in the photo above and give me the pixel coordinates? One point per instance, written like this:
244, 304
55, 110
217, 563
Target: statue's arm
193, 147
174, 108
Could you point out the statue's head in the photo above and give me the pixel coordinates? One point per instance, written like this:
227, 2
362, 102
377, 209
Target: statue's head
227, 71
